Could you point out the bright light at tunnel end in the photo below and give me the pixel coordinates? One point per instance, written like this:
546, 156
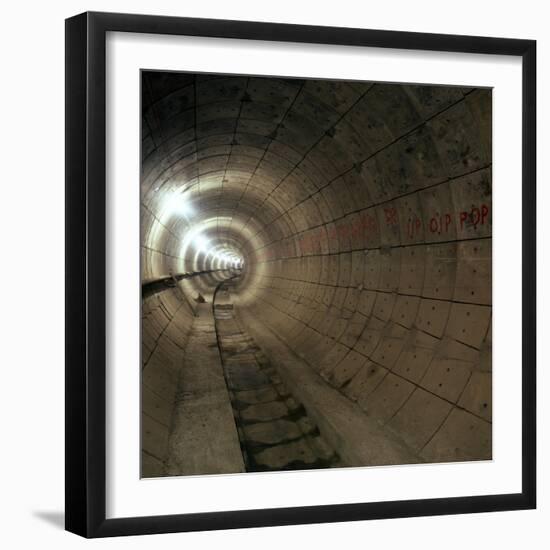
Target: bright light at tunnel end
220, 258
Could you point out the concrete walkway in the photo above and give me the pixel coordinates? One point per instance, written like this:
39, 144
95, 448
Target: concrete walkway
203, 438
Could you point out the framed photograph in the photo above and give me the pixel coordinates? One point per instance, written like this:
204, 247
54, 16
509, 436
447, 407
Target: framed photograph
300, 274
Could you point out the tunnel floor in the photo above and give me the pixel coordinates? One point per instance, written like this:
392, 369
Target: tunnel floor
203, 438
274, 430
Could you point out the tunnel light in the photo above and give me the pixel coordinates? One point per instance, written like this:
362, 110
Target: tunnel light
177, 205
200, 242
185, 209
224, 258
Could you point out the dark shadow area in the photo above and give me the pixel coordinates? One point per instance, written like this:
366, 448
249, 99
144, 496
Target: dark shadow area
54, 518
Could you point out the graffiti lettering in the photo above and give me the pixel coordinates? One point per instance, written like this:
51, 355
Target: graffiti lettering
440, 223
391, 215
476, 216
414, 226
364, 226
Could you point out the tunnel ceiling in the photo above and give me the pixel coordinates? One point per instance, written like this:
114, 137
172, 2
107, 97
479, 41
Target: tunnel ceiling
261, 163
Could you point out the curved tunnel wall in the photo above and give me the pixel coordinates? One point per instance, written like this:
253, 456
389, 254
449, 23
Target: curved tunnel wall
362, 215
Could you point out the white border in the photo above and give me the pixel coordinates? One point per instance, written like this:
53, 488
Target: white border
127, 495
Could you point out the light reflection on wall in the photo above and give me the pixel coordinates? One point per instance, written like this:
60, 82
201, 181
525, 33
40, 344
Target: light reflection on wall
186, 229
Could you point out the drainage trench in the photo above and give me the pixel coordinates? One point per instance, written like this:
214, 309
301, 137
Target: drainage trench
274, 430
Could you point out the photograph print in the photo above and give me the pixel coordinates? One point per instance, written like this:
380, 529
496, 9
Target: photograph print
316, 274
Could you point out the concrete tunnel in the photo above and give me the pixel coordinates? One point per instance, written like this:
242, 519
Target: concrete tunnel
339, 234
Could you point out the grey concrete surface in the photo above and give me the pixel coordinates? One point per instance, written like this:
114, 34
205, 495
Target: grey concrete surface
203, 438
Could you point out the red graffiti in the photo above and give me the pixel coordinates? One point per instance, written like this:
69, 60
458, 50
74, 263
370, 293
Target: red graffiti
368, 222
440, 223
356, 228
476, 216
363, 226
414, 226
343, 231
391, 215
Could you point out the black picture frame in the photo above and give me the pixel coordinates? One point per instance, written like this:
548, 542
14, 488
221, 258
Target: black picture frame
86, 263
